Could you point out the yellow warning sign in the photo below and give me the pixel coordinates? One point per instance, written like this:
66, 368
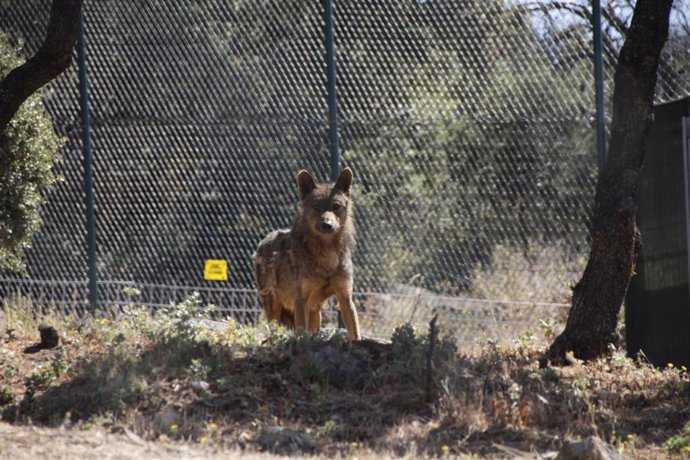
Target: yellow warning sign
216, 270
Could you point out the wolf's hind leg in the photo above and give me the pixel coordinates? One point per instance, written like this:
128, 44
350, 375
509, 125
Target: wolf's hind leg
276, 312
287, 318
267, 303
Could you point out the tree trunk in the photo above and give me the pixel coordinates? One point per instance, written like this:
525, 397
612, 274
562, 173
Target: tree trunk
598, 296
52, 58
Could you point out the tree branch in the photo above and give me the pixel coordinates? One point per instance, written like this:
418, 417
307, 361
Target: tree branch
51, 59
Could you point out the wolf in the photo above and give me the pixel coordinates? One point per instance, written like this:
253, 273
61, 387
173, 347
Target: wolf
298, 269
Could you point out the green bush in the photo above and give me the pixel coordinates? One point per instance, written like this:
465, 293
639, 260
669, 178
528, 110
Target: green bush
28, 148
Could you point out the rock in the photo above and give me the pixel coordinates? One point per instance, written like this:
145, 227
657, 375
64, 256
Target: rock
200, 385
210, 325
334, 359
49, 336
49, 339
329, 364
283, 441
591, 448
168, 416
374, 346
340, 368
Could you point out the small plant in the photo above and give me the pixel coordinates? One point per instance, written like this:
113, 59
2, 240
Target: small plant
10, 334
6, 395
198, 370
9, 370
525, 339
223, 384
240, 335
131, 293
88, 424
404, 340
410, 355
548, 328
623, 443
177, 322
330, 428
680, 443
58, 364
38, 378
276, 334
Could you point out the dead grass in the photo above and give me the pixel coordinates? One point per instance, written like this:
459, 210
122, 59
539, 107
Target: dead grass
539, 273
166, 378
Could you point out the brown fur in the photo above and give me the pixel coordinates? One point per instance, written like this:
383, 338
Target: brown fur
297, 270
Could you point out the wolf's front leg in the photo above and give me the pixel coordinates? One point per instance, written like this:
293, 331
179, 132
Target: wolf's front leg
301, 312
347, 308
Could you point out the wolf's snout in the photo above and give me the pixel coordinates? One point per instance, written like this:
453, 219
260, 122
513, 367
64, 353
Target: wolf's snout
327, 226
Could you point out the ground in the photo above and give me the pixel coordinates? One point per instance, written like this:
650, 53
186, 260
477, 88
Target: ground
171, 385
32, 442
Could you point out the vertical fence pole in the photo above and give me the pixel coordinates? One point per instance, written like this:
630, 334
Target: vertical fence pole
332, 95
88, 166
332, 103
599, 84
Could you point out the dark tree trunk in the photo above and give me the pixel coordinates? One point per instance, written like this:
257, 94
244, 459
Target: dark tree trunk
52, 58
598, 296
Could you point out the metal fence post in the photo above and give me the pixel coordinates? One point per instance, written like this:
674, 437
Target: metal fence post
332, 103
599, 84
88, 166
332, 94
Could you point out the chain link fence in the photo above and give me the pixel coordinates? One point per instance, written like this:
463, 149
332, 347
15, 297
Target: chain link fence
469, 125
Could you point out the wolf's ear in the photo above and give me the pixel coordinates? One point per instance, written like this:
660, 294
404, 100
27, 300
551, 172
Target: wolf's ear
305, 183
344, 182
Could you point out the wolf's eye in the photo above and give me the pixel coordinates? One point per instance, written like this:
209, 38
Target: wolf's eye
315, 206
336, 206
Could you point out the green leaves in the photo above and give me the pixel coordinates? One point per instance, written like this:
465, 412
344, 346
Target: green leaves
28, 149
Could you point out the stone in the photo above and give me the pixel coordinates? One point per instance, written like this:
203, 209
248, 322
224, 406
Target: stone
283, 441
200, 386
591, 448
49, 336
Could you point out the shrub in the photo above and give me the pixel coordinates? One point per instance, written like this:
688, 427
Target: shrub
28, 148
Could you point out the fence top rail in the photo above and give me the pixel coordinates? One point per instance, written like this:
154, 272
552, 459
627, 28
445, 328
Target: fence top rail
420, 296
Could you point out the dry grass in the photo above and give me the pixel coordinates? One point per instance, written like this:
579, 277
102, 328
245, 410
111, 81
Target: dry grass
138, 375
540, 273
